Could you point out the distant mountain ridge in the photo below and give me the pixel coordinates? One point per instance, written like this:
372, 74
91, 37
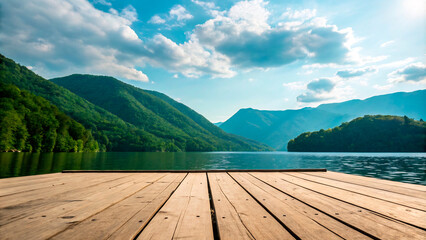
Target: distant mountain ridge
276, 128
125, 118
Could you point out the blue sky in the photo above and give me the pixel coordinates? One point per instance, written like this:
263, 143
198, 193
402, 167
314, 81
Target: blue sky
220, 56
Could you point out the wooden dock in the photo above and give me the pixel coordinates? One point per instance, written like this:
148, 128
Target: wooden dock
210, 205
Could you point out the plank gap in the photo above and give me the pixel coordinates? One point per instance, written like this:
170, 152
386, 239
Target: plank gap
267, 210
159, 209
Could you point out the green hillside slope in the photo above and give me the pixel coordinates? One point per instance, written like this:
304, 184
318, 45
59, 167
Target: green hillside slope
30, 123
111, 132
125, 118
366, 134
155, 113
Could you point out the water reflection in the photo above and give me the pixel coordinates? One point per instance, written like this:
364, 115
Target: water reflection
405, 167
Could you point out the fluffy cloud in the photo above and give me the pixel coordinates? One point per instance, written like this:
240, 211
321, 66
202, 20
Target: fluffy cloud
178, 15
244, 35
350, 73
304, 14
317, 90
321, 85
157, 20
189, 58
205, 5
415, 72
103, 2
62, 37
209, 7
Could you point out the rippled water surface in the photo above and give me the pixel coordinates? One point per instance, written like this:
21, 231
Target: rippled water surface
404, 167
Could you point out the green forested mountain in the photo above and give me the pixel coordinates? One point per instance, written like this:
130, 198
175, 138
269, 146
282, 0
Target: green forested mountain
111, 132
156, 113
146, 129
276, 128
377, 133
30, 123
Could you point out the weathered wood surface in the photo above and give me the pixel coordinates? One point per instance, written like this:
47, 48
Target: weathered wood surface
210, 205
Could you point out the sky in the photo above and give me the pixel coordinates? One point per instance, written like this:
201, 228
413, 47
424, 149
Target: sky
220, 56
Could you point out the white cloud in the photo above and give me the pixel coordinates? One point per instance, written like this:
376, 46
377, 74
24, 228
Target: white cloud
156, 20
396, 64
244, 35
176, 75
129, 13
414, 72
103, 2
386, 44
205, 5
64, 37
303, 15
189, 58
351, 73
177, 16
323, 90
209, 7
180, 13
72, 36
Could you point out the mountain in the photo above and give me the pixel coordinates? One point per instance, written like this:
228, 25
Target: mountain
154, 112
376, 133
276, 128
32, 124
411, 104
141, 122
218, 124
111, 132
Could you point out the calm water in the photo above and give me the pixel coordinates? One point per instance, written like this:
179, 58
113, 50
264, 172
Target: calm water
404, 167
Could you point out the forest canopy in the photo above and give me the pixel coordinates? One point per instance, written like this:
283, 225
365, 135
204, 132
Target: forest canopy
30, 123
371, 133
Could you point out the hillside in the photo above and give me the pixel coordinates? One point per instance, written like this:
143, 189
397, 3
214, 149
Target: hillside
376, 133
399, 104
111, 132
154, 112
138, 128
276, 128
30, 123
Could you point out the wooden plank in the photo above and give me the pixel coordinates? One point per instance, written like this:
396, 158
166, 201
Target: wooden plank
18, 206
408, 215
238, 215
57, 187
51, 221
303, 220
4, 182
198, 171
13, 188
396, 198
185, 215
359, 218
125, 219
386, 185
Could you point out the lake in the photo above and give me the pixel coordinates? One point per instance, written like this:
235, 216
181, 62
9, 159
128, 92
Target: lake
404, 167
